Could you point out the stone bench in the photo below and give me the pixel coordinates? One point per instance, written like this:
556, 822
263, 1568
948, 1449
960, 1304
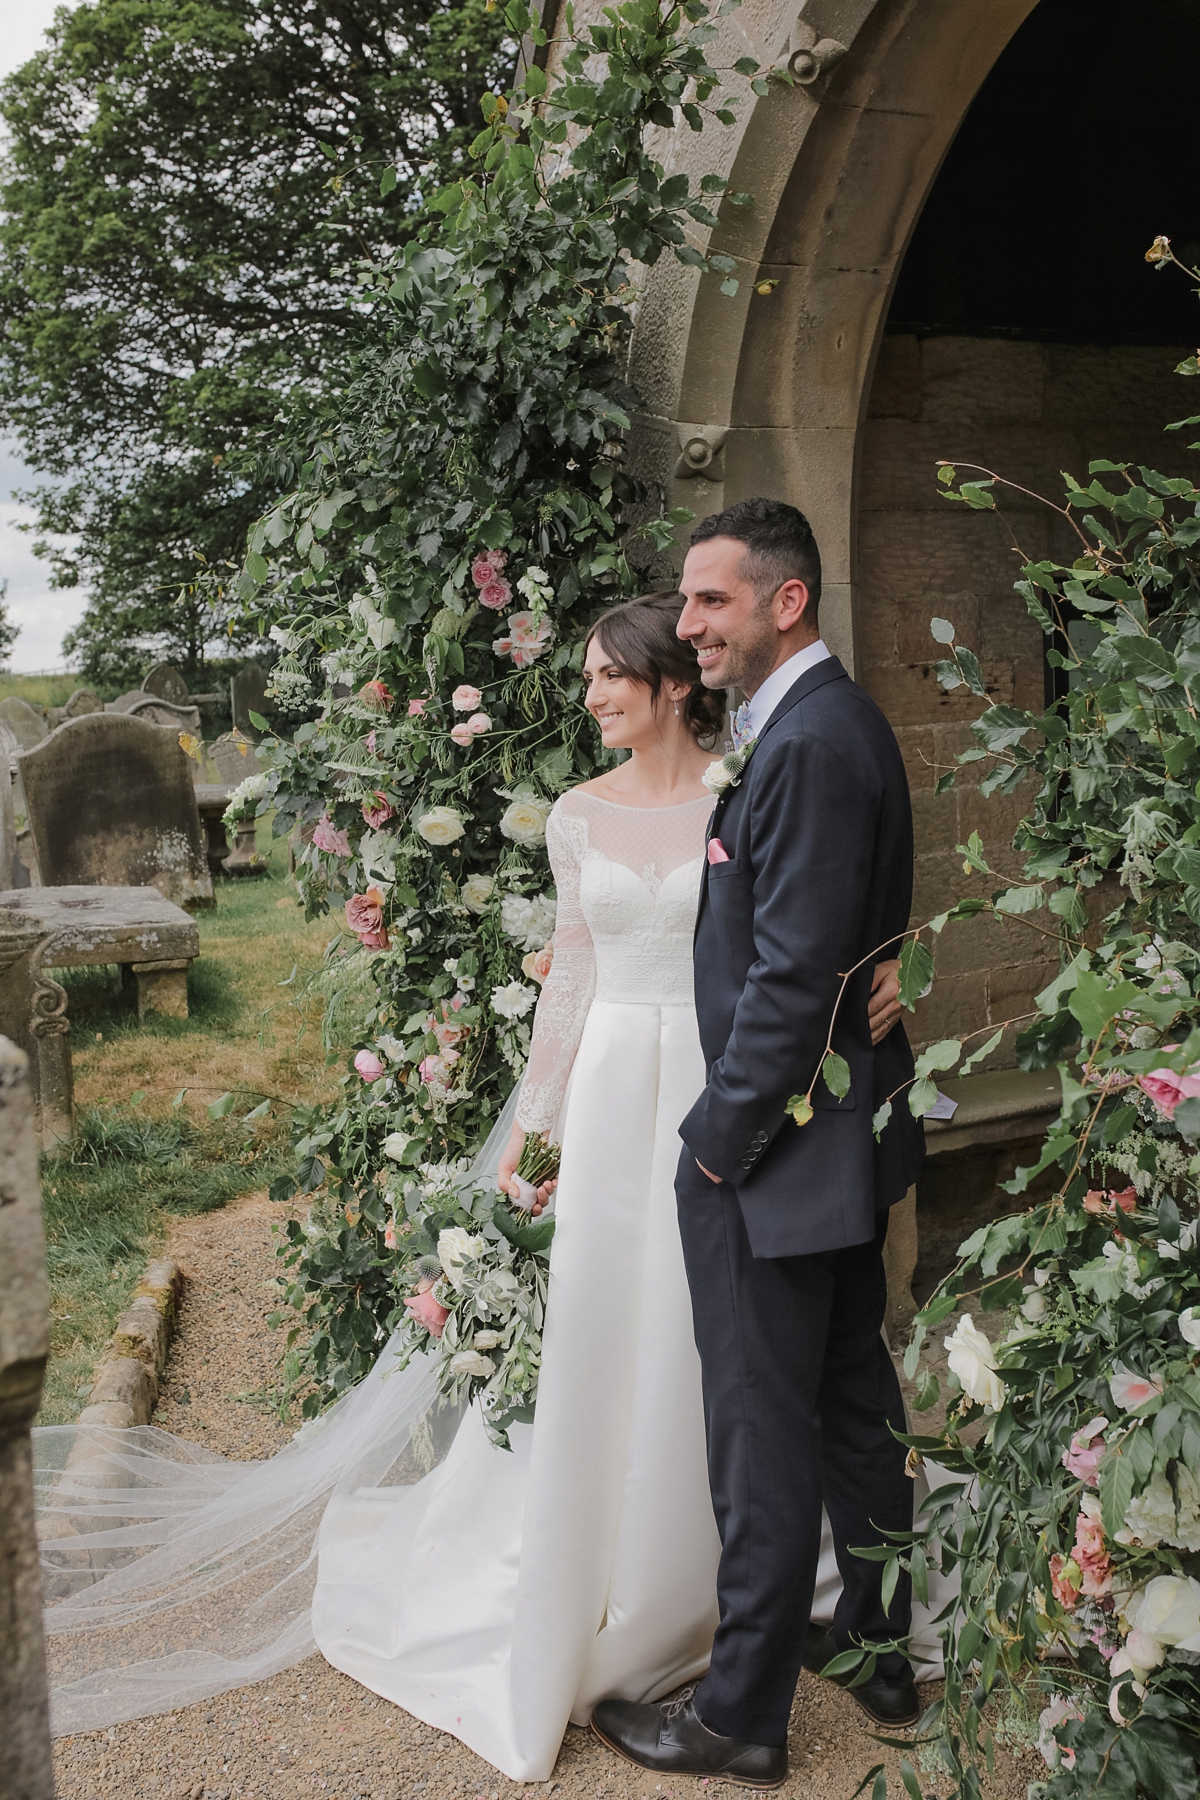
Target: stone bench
152, 941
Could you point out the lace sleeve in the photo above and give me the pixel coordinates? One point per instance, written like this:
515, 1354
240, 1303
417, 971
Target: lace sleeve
564, 1001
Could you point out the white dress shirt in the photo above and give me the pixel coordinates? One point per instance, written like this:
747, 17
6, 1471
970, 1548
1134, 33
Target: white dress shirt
779, 681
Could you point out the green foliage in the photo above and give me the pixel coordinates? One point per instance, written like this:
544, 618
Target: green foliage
184, 189
438, 561
1055, 1557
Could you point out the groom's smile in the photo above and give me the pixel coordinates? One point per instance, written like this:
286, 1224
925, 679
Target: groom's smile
740, 624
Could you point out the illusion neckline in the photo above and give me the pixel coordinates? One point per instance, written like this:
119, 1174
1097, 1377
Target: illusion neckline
676, 805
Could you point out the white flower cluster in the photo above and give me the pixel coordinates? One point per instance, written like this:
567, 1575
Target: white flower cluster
1156, 1517
535, 586
513, 1000
245, 798
289, 685
528, 921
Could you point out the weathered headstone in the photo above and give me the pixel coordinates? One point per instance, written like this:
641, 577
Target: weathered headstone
233, 760
165, 680
82, 701
26, 1770
247, 694
111, 804
141, 705
28, 722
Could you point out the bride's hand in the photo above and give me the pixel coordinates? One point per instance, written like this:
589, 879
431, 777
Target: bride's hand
506, 1173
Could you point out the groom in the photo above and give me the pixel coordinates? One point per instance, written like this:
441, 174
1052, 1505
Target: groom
808, 876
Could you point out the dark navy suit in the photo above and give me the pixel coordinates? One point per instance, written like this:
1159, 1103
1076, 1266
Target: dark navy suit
784, 1255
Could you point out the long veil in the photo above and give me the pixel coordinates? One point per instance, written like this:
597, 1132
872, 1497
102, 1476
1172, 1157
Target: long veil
172, 1575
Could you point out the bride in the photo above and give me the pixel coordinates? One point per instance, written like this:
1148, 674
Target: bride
502, 1595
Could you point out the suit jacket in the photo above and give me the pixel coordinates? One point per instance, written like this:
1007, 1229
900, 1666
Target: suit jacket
818, 832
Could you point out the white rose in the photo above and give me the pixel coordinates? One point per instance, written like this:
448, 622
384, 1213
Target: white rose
477, 891
973, 1360
514, 1000
524, 821
395, 1144
391, 1046
1168, 1610
1144, 1653
1034, 1304
440, 825
469, 1362
718, 776
1189, 1326
456, 1247
488, 1340
1114, 1700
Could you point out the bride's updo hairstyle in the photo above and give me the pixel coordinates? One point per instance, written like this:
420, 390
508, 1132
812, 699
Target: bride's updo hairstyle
639, 639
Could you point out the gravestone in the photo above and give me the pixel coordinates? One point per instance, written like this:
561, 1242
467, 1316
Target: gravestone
25, 1765
27, 722
141, 705
233, 760
247, 694
165, 680
82, 701
20, 869
111, 804
9, 751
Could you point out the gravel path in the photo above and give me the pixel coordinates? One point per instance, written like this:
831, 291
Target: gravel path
312, 1731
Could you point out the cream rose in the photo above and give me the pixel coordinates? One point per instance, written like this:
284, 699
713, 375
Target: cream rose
476, 891
469, 1362
973, 1360
456, 1247
440, 825
1168, 1610
395, 1144
524, 821
1189, 1326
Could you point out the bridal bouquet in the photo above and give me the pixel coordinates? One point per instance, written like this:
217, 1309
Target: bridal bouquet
474, 1265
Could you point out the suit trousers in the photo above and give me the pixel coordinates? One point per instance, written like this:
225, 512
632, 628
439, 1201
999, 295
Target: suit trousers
799, 1397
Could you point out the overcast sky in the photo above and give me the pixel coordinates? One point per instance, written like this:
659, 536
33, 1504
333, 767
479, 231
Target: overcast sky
43, 613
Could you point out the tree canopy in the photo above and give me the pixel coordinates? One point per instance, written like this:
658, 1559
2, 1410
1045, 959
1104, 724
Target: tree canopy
186, 188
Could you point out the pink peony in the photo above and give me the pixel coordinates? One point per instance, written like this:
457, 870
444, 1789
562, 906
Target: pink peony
496, 594
478, 723
465, 699
1090, 1554
1130, 1390
364, 916
416, 708
462, 734
1167, 1089
326, 836
379, 814
526, 640
1064, 1581
369, 1065
1082, 1455
424, 1309
377, 695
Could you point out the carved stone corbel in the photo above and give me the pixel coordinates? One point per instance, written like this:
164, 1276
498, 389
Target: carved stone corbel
33, 1013
701, 448
810, 57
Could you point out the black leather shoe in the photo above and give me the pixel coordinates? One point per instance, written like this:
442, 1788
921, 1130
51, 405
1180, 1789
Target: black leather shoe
885, 1701
670, 1738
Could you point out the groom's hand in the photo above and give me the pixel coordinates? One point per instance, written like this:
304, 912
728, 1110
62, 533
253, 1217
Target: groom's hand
883, 1009
707, 1172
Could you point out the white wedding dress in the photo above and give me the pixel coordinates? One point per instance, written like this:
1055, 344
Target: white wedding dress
501, 1594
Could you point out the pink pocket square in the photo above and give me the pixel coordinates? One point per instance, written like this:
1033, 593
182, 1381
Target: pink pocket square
716, 851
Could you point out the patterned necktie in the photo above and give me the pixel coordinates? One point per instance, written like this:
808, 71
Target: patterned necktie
742, 731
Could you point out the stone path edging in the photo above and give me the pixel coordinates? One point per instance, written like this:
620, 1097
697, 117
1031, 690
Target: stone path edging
126, 1384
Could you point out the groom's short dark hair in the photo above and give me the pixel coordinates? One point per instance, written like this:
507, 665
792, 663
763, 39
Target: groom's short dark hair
780, 546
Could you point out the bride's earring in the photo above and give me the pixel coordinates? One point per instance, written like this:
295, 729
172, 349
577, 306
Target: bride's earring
677, 709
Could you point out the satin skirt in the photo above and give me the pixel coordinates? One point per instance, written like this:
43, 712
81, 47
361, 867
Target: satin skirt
506, 1593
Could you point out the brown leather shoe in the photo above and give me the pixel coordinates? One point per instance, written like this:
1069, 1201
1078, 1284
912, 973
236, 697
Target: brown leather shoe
670, 1738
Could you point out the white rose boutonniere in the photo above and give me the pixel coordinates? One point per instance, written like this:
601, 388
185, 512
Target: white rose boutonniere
726, 772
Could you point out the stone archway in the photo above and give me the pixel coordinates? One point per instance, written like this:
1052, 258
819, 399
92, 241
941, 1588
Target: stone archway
766, 394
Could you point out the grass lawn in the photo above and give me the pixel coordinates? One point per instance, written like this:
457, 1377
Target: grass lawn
138, 1157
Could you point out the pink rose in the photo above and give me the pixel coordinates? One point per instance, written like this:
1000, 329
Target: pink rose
462, 734
477, 723
1167, 1089
377, 695
1083, 1453
416, 708
433, 1070
326, 836
465, 699
482, 571
389, 1234
536, 966
496, 594
379, 814
1090, 1554
424, 1309
1130, 1390
371, 742
369, 1065
1126, 1200
364, 916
